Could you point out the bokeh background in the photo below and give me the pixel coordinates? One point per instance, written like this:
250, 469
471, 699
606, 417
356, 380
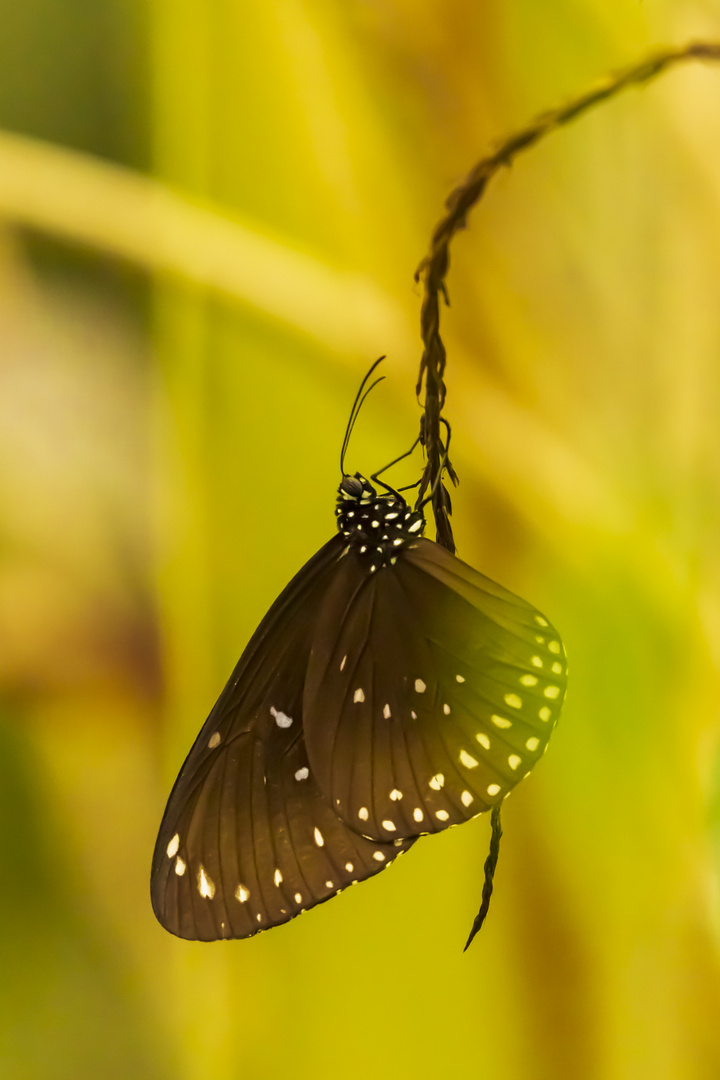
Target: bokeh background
210, 214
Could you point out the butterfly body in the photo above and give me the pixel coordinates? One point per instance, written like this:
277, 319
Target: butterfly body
390, 691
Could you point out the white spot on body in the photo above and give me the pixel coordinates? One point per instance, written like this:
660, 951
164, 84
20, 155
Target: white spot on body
483, 740
281, 719
277, 878
466, 760
386, 712
528, 680
172, 848
242, 894
420, 686
363, 813
418, 814
206, 886
532, 744
319, 839
513, 701
388, 825
466, 798
442, 815
359, 694
179, 866
302, 774
514, 761
501, 722
395, 794
214, 740
493, 789
437, 781
415, 526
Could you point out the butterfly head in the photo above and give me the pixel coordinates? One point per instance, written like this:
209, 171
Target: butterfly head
376, 526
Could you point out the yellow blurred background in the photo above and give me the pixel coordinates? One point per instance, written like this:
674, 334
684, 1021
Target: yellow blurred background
208, 231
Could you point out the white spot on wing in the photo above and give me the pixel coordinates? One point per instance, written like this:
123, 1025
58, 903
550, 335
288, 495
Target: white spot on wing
528, 680
277, 877
536, 661
418, 814
349, 867
302, 774
179, 866
442, 815
554, 647
395, 794
172, 848
342, 662
214, 740
359, 694
420, 686
459, 678
379, 856
514, 761
466, 798
532, 744
552, 692
501, 721
298, 898
557, 668
386, 712
493, 789
389, 825
446, 710
437, 781
319, 839
363, 813
483, 739
540, 621
545, 713
281, 719
206, 886
513, 701
242, 894
466, 759
329, 884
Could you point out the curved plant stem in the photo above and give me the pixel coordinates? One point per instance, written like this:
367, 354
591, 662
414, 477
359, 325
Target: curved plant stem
434, 267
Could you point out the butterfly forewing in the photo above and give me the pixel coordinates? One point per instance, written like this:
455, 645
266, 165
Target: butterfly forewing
438, 691
248, 841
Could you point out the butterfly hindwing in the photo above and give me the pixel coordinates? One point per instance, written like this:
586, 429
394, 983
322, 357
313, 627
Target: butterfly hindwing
248, 840
438, 691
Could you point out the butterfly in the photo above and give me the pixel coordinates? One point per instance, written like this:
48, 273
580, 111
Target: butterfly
391, 691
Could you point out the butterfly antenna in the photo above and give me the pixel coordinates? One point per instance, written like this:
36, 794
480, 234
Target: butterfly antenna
355, 411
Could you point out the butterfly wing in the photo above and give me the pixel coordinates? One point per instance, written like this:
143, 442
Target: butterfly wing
439, 691
248, 840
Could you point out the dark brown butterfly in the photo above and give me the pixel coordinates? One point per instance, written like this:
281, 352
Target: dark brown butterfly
390, 691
